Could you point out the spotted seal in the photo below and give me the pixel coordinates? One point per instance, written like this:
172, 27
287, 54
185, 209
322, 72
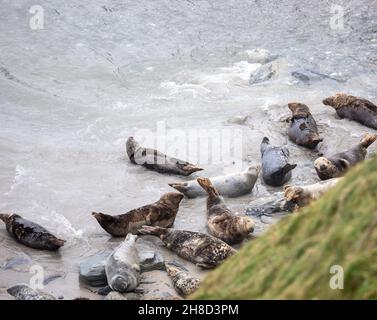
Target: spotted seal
336, 165
303, 195
30, 234
184, 283
303, 129
354, 108
221, 221
161, 213
157, 161
204, 250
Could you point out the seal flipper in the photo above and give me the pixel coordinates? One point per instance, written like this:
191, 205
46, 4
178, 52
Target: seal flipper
191, 168
368, 139
207, 185
288, 167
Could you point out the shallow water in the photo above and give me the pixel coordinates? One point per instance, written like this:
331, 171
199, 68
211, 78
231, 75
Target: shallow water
97, 73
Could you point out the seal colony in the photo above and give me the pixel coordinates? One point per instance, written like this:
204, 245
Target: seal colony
226, 227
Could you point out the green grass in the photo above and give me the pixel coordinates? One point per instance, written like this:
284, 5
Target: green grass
292, 260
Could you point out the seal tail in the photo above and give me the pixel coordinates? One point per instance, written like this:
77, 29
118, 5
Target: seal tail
207, 185
5, 217
368, 139
191, 168
154, 231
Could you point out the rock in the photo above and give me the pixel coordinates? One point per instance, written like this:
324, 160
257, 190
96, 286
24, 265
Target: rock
114, 295
268, 71
20, 263
81, 298
150, 259
51, 278
258, 56
238, 120
262, 74
92, 270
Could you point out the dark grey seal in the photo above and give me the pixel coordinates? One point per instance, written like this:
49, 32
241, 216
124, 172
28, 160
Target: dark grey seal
276, 169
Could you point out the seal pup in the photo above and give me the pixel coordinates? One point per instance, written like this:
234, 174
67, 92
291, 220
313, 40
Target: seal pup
183, 282
232, 185
161, 213
221, 221
276, 169
354, 108
122, 266
336, 165
201, 249
23, 292
157, 161
303, 129
30, 234
303, 195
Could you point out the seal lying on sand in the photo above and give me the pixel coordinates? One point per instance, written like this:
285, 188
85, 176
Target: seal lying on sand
183, 282
157, 161
221, 221
303, 130
122, 267
232, 185
276, 169
303, 195
354, 108
30, 234
203, 250
336, 165
161, 213
23, 292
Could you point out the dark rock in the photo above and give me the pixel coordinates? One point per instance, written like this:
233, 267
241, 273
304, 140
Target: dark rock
150, 259
92, 270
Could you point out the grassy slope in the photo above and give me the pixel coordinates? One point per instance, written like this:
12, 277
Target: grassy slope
292, 260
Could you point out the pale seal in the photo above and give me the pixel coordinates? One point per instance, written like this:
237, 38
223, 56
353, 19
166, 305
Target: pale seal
232, 185
30, 234
161, 213
221, 221
303, 195
184, 283
354, 108
204, 250
122, 266
303, 129
276, 169
337, 164
157, 161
